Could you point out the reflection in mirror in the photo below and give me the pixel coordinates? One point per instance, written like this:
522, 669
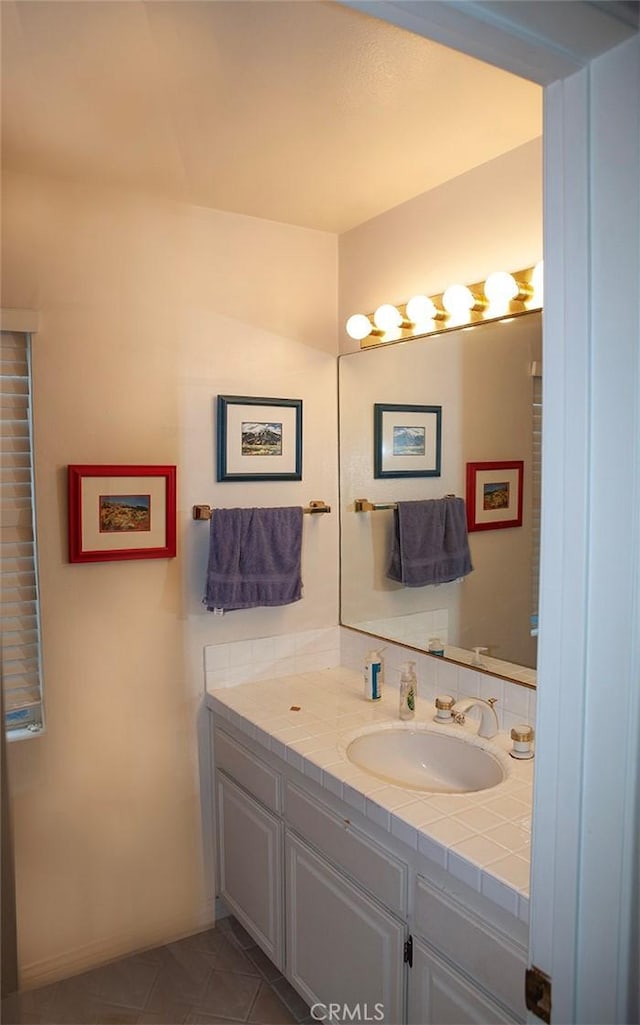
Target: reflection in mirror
486, 379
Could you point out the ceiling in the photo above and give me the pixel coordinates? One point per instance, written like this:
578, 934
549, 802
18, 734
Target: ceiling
298, 111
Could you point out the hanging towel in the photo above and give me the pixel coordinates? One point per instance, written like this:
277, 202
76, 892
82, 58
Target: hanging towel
430, 543
254, 558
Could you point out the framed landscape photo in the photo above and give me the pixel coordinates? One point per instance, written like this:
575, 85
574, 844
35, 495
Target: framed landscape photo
407, 440
494, 495
121, 512
258, 438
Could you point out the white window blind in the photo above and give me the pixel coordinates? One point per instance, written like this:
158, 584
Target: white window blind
21, 662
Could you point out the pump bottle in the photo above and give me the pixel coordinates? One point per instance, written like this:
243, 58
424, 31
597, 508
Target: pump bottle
408, 690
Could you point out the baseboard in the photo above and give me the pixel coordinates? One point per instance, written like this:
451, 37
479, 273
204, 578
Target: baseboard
221, 909
92, 955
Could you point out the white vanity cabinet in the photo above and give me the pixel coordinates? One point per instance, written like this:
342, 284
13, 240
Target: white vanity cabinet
251, 866
441, 995
250, 843
342, 947
348, 913
475, 973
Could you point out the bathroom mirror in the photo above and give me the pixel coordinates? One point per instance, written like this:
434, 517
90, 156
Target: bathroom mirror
486, 379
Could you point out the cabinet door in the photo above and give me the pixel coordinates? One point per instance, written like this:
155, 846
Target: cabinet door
342, 948
250, 852
439, 995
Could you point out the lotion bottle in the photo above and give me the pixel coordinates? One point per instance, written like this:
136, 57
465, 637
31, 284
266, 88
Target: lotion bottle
408, 690
373, 676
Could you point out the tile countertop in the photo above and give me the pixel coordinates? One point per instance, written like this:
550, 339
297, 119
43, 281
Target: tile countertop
481, 838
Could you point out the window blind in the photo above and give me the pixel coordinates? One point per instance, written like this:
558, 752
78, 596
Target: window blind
21, 662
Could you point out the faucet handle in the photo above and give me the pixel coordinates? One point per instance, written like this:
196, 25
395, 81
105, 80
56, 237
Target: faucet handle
492, 701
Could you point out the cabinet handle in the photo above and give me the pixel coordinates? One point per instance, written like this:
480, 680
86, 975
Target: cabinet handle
408, 952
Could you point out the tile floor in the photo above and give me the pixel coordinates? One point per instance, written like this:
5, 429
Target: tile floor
215, 976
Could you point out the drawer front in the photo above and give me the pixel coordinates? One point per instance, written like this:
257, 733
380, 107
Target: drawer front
251, 772
493, 960
379, 872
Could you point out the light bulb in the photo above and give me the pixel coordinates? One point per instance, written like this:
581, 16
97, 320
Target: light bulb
500, 288
387, 317
358, 326
458, 300
537, 281
421, 308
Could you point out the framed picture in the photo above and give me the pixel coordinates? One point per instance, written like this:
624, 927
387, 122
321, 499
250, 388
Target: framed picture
494, 495
121, 512
407, 440
259, 439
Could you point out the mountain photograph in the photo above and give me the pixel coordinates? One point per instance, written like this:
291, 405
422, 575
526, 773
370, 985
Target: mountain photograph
261, 439
409, 441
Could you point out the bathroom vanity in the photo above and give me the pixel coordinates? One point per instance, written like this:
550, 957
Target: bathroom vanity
411, 906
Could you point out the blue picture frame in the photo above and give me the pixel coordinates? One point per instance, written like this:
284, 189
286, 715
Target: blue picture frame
258, 438
407, 440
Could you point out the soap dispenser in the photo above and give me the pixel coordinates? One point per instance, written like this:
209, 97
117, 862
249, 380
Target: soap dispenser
408, 690
373, 675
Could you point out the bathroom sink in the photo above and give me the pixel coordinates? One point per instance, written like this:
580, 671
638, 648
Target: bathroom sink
423, 757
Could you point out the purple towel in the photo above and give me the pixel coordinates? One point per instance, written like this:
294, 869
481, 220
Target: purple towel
254, 558
430, 542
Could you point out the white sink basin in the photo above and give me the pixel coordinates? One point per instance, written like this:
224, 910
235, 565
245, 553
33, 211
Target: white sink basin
420, 757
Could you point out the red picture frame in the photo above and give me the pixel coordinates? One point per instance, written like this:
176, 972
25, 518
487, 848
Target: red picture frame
121, 512
494, 495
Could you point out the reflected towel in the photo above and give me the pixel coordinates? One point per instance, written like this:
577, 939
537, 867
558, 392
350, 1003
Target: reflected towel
430, 542
254, 558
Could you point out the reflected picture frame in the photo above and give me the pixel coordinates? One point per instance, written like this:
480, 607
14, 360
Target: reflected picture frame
407, 440
121, 512
258, 438
495, 494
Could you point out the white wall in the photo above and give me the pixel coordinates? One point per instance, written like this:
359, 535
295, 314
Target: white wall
488, 219
148, 311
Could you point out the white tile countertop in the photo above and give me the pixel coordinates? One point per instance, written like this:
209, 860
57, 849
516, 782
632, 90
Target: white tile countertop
481, 838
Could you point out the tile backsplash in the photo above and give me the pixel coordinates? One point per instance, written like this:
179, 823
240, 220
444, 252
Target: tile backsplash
515, 704
266, 658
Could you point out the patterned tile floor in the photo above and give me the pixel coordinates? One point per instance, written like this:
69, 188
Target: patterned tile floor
216, 976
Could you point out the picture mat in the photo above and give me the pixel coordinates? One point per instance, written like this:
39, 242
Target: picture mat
510, 511
237, 414
95, 540
397, 418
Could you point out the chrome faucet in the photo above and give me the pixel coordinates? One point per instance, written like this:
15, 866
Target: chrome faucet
489, 724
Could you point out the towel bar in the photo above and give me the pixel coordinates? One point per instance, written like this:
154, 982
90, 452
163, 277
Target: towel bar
361, 505
204, 512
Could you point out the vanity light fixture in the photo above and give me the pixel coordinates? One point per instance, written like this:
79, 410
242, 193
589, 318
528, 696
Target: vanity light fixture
500, 296
388, 318
459, 301
359, 327
501, 288
420, 309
